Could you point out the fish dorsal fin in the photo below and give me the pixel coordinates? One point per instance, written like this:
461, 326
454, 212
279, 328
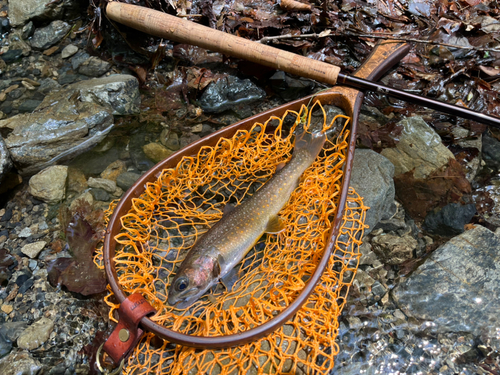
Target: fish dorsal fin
275, 225
227, 209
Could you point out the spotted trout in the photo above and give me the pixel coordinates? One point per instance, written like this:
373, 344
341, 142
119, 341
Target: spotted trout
227, 242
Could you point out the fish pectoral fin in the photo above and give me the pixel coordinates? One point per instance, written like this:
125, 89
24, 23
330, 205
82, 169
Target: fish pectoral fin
275, 225
218, 265
280, 166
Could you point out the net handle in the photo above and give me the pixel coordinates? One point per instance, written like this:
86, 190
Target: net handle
384, 56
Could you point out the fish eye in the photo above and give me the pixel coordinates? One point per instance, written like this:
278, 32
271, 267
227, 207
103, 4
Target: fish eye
181, 284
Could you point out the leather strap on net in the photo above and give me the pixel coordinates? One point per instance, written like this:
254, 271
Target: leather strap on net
127, 333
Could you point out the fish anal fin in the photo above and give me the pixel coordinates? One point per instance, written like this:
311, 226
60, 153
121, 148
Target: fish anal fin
280, 166
275, 225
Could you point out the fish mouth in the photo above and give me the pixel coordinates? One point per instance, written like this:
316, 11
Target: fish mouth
181, 302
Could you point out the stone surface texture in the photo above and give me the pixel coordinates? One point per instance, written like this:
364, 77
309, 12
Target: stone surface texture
49, 185
419, 148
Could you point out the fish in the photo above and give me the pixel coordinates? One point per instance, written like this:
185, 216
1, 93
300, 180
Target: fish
224, 245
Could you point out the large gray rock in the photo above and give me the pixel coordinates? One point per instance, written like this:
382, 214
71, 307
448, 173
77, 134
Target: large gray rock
371, 177
59, 130
458, 285
36, 334
70, 121
49, 35
21, 11
419, 148
5, 161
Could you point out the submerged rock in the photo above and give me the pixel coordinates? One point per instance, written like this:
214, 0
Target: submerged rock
371, 177
36, 334
392, 249
228, 93
419, 148
49, 185
457, 286
19, 363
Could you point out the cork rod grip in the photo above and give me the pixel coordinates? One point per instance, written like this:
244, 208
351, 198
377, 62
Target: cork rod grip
179, 30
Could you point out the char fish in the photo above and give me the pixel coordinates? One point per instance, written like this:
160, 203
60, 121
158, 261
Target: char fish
225, 244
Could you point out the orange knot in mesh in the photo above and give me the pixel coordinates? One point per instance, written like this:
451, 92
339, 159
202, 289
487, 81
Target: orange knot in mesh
187, 200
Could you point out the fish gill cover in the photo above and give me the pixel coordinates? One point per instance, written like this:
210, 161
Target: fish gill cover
185, 201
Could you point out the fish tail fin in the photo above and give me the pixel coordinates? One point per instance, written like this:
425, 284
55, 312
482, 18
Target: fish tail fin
312, 143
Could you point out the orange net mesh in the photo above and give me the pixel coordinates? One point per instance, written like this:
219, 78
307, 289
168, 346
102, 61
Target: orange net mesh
185, 201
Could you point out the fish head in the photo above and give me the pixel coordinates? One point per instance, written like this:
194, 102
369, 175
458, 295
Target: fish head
192, 281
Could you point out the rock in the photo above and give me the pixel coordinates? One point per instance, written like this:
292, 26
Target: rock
102, 183
94, 67
127, 179
48, 85
5, 346
419, 148
12, 330
450, 220
113, 170
120, 92
49, 185
36, 334
170, 140
5, 160
290, 88
229, 93
99, 194
156, 152
21, 11
76, 180
60, 129
85, 197
456, 285
371, 177
7, 308
137, 154
29, 105
28, 30
12, 55
16, 42
47, 36
19, 363
33, 249
392, 249
491, 151
69, 51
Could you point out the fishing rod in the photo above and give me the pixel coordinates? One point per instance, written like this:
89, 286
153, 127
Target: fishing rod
179, 30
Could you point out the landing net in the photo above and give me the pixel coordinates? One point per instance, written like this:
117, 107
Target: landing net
185, 201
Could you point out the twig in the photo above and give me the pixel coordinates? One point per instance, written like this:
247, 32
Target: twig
375, 36
267, 39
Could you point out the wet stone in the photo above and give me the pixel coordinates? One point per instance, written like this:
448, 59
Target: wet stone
19, 363
46, 37
102, 183
5, 160
78, 59
36, 334
100, 195
113, 170
460, 278
156, 152
228, 93
94, 67
491, 151
371, 177
450, 220
29, 105
5, 346
11, 55
127, 179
